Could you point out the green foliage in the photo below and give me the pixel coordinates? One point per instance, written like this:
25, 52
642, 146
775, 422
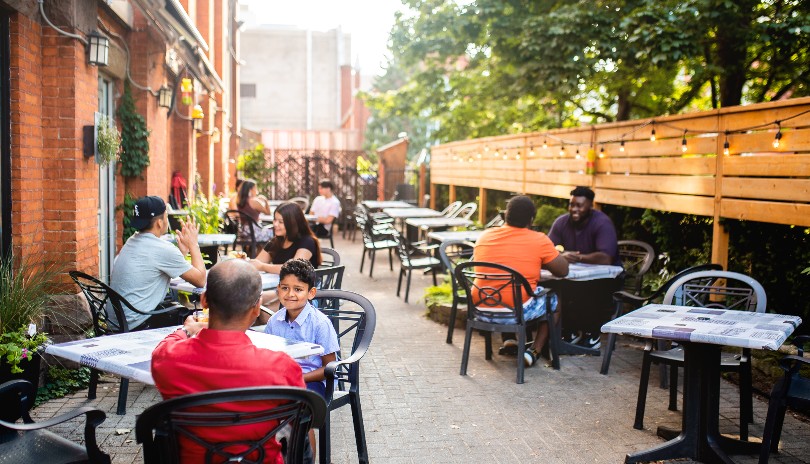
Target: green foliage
206, 212
439, 294
127, 207
365, 167
60, 382
17, 346
546, 214
25, 290
252, 164
134, 137
108, 140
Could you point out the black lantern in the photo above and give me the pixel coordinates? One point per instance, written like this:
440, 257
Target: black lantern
165, 95
98, 49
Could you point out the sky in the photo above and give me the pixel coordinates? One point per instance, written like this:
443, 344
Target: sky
368, 22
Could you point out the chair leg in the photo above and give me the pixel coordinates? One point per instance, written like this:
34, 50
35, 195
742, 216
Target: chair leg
372, 256
359, 429
391, 258
325, 441
553, 340
746, 401
772, 432
673, 387
362, 259
122, 397
434, 276
331, 241
664, 383
642, 390
466, 353
91, 390
521, 336
408, 285
399, 281
451, 323
611, 345
487, 345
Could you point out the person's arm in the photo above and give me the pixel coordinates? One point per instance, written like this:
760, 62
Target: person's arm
557, 266
259, 205
597, 257
187, 236
606, 246
317, 374
330, 216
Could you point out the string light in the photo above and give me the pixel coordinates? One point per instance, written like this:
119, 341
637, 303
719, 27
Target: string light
517, 156
621, 147
683, 142
545, 145
778, 136
478, 155
602, 152
497, 153
652, 134
531, 151
577, 153
562, 150
725, 145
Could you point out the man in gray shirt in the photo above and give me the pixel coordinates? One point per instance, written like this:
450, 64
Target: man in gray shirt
146, 263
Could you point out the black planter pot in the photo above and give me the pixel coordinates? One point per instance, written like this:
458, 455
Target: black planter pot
31, 369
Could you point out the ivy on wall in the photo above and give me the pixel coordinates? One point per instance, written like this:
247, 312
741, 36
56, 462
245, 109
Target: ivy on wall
134, 156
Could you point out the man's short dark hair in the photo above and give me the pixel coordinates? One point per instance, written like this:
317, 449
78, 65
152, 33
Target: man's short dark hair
583, 192
326, 183
301, 268
234, 287
520, 211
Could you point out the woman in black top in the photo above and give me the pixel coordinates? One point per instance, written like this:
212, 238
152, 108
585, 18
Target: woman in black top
293, 239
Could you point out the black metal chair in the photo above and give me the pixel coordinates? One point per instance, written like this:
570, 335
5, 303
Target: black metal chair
245, 229
451, 253
626, 302
192, 420
328, 278
102, 298
707, 289
409, 261
303, 202
376, 236
31, 442
486, 285
451, 208
791, 391
637, 258
329, 257
354, 319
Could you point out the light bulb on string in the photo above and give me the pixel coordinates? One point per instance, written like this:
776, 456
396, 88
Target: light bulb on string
562, 150
577, 154
517, 156
621, 147
531, 151
602, 152
726, 150
545, 144
652, 134
778, 136
683, 143
497, 153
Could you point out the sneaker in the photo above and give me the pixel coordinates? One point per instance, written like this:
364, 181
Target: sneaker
509, 348
573, 337
530, 357
592, 341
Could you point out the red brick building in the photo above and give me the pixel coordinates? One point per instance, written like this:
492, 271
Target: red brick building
59, 204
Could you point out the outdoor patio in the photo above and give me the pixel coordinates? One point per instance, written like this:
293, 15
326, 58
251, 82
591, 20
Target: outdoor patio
417, 409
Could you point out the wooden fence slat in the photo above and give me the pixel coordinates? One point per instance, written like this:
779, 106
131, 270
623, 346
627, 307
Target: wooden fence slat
797, 214
796, 190
768, 165
703, 165
567, 178
685, 204
686, 185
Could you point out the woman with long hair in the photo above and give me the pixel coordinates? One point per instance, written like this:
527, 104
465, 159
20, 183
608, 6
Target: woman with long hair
249, 202
293, 239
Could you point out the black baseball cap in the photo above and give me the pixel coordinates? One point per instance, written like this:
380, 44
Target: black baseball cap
146, 209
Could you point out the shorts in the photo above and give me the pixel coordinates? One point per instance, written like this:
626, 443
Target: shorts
317, 387
533, 308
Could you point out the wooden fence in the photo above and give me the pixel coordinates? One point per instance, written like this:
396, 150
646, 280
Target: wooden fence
723, 164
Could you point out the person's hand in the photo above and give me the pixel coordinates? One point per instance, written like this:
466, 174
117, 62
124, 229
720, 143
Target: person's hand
193, 326
189, 232
257, 264
571, 256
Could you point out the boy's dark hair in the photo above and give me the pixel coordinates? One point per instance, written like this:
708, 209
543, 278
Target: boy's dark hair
300, 268
583, 192
326, 183
520, 211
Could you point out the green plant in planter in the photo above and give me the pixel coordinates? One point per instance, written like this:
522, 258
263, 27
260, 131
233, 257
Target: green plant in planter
439, 294
108, 141
206, 212
25, 290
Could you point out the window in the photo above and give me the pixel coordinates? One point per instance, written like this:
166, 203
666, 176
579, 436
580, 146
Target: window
247, 90
5, 140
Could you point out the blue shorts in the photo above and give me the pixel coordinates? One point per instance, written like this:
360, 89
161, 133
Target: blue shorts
534, 308
317, 387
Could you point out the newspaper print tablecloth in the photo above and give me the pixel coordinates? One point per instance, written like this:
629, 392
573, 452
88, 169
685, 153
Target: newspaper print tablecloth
269, 282
443, 236
705, 325
579, 271
130, 354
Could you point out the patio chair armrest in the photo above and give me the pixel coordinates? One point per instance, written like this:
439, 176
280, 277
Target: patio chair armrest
626, 297
159, 311
94, 417
330, 371
792, 363
800, 342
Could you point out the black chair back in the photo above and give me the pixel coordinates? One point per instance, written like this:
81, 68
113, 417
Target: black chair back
100, 297
637, 258
487, 285
329, 257
718, 289
189, 420
451, 253
245, 229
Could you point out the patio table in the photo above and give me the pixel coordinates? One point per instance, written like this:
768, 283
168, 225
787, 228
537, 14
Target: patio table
445, 235
269, 217
401, 214
269, 282
129, 354
378, 205
206, 240
703, 332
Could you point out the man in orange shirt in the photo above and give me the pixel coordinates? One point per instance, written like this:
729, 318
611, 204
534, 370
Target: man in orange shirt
526, 251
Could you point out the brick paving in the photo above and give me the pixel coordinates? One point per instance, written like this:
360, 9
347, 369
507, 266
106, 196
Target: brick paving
418, 409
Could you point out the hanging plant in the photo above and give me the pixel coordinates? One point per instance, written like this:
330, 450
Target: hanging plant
134, 137
108, 141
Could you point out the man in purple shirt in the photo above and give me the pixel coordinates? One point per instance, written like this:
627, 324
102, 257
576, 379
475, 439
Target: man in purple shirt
587, 236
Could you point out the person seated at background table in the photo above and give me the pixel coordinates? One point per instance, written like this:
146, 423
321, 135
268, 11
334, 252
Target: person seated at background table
233, 198
298, 320
526, 251
293, 239
325, 207
587, 236
146, 263
252, 204
215, 355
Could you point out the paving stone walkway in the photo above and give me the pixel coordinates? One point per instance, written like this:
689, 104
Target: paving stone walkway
418, 409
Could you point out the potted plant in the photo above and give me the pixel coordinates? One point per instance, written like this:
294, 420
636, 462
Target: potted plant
108, 140
25, 297
439, 301
206, 213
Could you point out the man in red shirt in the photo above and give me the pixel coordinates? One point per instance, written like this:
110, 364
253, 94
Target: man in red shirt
217, 355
